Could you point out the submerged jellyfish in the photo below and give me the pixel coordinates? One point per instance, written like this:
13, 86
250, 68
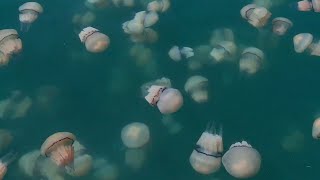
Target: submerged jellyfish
148, 35
303, 5
281, 25
29, 12
59, 148
206, 156
316, 5
104, 170
4, 162
82, 161
176, 54
316, 129
135, 135
10, 44
94, 40
5, 139
242, 160
251, 60
159, 5
223, 50
197, 86
255, 15
302, 41
159, 93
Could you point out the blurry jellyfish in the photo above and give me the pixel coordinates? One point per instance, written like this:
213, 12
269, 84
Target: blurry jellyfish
28, 162
316, 5
126, 3
206, 156
316, 129
197, 86
84, 19
223, 50
159, 93
255, 15
10, 44
103, 170
140, 21
135, 135
133, 27
302, 41
94, 40
4, 162
135, 158
200, 58
96, 4
221, 34
294, 142
159, 5
281, 25
29, 12
176, 54
241, 160
5, 139
150, 19
171, 124
251, 60
303, 5
59, 148
148, 36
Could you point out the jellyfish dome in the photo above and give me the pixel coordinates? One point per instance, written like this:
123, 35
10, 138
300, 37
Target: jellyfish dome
135, 135
158, 5
255, 15
28, 14
251, 60
281, 25
10, 44
302, 41
196, 86
59, 148
94, 41
241, 160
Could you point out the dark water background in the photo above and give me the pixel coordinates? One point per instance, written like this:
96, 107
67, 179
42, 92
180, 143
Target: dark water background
100, 93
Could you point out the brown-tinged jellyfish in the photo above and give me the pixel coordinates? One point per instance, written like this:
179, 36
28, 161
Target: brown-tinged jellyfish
29, 12
10, 44
94, 40
255, 15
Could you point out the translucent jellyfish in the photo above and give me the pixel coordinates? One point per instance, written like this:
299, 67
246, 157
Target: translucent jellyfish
147, 36
5, 139
197, 87
241, 160
29, 12
84, 19
96, 4
126, 3
94, 40
223, 50
316, 129
10, 44
255, 15
302, 41
59, 148
160, 93
4, 162
200, 58
173, 126
314, 48
27, 163
135, 135
221, 34
133, 27
135, 158
104, 170
293, 142
316, 5
150, 19
281, 25
176, 54
251, 60
159, 5
304, 5
206, 156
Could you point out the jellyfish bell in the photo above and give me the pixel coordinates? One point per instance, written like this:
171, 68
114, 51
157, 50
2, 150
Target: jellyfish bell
303, 5
197, 86
158, 5
255, 15
206, 156
223, 50
29, 12
59, 148
133, 27
316, 5
242, 160
281, 25
302, 41
94, 40
314, 48
135, 135
150, 19
221, 34
176, 54
251, 60
10, 43
316, 129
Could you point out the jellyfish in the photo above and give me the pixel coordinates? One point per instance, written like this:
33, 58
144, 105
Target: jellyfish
176, 54
316, 5
4, 162
150, 19
135, 158
303, 5
126, 3
223, 50
206, 156
251, 60
29, 12
281, 25
255, 15
197, 86
158, 5
60, 150
28, 163
221, 34
302, 41
6, 138
200, 58
96, 4
148, 36
135, 135
159, 93
104, 170
10, 44
242, 160
316, 129
94, 40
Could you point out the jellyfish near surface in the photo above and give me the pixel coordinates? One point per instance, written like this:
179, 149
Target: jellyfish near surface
206, 156
251, 61
135, 135
255, 15
242, 160
94, 40
29, 12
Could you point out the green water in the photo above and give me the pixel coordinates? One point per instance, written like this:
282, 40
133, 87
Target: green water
98, 94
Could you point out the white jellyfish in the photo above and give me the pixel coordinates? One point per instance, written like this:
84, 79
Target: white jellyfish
10, 44
223, 50
197, 86
159, 93
302, 41
158, 5
4, 162
94, 40
135, 135
281, 25
251, 61
316, 5
29, 12
28, 162
206, 156
255, 15
176, 53
316, 129
242, 160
